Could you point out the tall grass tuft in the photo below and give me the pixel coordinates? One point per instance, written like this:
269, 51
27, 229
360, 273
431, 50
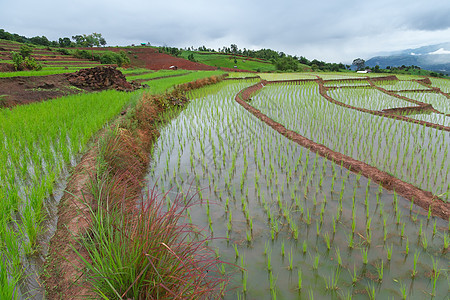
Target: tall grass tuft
150, 254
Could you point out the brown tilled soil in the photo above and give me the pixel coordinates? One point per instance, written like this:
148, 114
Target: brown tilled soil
150, 58
421, 198
24, 90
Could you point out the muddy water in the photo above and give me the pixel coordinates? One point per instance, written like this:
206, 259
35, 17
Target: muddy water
277, 195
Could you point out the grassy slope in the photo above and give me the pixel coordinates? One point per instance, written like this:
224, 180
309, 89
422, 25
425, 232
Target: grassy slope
49, 67
164, 84
227, 61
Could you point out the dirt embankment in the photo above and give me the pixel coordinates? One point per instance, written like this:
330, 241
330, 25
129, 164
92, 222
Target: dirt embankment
420, 197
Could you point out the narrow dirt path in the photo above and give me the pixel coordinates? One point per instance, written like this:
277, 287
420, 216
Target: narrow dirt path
64, 274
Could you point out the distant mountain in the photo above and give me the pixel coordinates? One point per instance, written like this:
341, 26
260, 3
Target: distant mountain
434, 57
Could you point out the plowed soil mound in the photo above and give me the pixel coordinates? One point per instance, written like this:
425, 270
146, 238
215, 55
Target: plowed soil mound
101, 78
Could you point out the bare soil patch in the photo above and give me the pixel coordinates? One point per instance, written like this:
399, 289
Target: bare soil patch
150, 58
23, 90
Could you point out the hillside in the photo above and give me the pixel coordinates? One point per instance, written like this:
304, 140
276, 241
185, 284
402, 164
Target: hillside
434, 58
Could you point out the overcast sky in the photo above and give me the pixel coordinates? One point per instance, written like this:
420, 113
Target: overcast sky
333, 30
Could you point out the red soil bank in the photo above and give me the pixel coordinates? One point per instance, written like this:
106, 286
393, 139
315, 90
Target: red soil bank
420, 197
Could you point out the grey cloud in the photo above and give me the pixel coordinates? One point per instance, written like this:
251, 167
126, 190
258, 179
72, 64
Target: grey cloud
326, 30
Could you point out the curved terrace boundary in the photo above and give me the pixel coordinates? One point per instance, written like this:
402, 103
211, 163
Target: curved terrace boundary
389, 113
420, 197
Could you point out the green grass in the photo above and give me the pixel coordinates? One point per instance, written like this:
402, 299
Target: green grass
43, 72
160, 73
161, 85
126, 71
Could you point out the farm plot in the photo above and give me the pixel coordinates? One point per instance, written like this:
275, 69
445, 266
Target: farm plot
432, 118
439, 102
401, 85
411, 152
338, 76
347, 83
367, 98
297, 225
165, 83
442, 84
37, 142
286, 76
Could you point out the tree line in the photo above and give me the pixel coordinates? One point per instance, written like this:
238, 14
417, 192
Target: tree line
282, 61
81, 40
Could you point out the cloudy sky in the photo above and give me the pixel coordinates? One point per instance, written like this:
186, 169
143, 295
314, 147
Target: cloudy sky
333, 30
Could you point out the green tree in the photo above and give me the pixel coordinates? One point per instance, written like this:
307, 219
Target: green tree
64, 42
286, 63
359, 63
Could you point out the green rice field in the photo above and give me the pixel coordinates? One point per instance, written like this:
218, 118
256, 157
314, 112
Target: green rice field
295, 225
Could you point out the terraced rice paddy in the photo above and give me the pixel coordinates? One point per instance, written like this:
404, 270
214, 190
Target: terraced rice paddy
295, 224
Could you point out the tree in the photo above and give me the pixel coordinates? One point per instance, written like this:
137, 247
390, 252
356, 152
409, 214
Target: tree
64, 42
286, 63
234, 48
359, 63
89, 40
79, 39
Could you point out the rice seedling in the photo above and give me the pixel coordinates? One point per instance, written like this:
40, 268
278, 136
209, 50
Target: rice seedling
327, 241
316, 262
370, 289
269, 261
291, 260
416, 258
354, 275
364, 252
236, 251
305, 247
332, 282
389, 252
380, 271
299, 280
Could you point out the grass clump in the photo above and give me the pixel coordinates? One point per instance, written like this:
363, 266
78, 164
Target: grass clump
150, 256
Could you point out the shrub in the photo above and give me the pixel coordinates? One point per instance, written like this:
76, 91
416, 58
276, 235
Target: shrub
119, 59
63, 51
31, 64
25, 51
17, 59
82, 54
